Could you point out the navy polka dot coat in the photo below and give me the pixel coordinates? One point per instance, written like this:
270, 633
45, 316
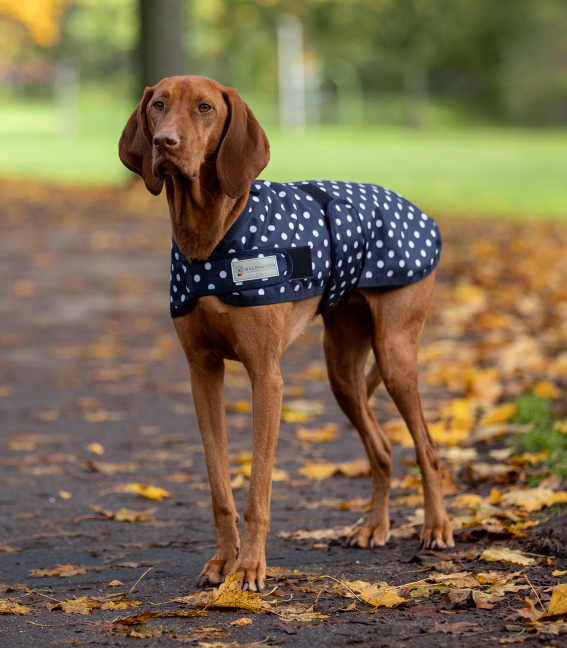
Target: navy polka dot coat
359, 235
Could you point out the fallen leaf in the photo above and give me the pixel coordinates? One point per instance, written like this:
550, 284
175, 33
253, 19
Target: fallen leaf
500, 414
459, 580
510, 556
318, 471
95, 448
238, 481
80, 605
102, 416
557, 572
63, 571
529, 612
115, 583
301, 410
558, 603
231, 595
462, 627
380, 596
150, 492
546, 389
318, 435
244, 621
63, 494
533, 499
8, 607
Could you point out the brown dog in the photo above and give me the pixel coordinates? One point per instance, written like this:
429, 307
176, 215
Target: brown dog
203, 141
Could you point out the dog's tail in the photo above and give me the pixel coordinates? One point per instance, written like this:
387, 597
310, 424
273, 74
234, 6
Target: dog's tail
373, 379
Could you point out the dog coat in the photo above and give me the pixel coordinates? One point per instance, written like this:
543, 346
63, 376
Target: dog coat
301, 239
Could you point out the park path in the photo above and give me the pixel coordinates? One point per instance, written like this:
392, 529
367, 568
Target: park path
95, 405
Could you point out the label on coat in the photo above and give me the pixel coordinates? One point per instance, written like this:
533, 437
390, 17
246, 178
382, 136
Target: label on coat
259, 268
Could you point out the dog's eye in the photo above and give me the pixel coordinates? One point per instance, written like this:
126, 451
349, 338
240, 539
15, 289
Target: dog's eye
159, 105
204, 108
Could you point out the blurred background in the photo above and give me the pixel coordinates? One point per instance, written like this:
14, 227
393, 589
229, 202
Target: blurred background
461, 105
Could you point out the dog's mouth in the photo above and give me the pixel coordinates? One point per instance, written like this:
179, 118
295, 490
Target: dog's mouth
162, 167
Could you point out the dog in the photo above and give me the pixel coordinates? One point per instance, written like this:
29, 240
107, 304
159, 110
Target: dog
202, 141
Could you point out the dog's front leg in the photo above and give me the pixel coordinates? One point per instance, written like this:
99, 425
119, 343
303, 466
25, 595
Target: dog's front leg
207, 375
267, 388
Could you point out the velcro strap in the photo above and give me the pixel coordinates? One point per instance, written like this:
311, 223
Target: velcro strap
302, 264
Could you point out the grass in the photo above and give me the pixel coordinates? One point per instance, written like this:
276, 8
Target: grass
450, 169
544, 435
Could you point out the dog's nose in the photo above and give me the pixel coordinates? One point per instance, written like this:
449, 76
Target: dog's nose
166, 139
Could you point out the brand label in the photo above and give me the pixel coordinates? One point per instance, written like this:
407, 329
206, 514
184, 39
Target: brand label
260, 268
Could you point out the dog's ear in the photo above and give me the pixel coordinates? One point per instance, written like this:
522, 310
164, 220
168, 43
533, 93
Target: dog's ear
244, 151
135, 146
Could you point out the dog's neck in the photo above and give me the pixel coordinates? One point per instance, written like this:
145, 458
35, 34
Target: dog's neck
201, 213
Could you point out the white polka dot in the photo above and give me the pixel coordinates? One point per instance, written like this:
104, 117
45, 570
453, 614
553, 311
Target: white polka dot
315, 233
255, 199
182, 298
296, 288
261, 291
197, 278
264, 239
281, 194
428, 243
369, 275
284, 236
379, 244
391, 254
306, 214
222, 274
177, 257
243, 239
386, 206
282, 289
211, 286
390, 273
418, 263
178, 277
278, 216
253, 228
208, 266
174, 288
391, 233
380, 264
402, 263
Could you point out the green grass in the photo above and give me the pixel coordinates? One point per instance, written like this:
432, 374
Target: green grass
480, 170
543, 436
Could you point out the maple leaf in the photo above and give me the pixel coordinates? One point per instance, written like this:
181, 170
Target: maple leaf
558, 603
150, 492
381, 596
529, 612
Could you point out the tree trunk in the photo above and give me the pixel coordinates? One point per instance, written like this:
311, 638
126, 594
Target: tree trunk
160, 49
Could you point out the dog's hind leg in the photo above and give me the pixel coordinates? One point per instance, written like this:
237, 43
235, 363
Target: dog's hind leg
348, 337
398, 316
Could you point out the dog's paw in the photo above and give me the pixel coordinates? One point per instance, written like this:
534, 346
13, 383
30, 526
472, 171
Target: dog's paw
251, 574
215, 571
368, 536
438, 535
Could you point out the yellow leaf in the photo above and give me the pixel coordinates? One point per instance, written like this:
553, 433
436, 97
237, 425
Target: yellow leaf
120, 605
381, 597
241, 406
533, 499
510, 556
96, 448
398, 432
279, 475
244, 621
459, 580
500, 414
318, 435
63, 494
300, 410
546, 389
558, 572
149, 491
81, 605
115, 583
558, 603
103, 416
239, 481
231, 595
318, 471
356, 468
127, 515
63, 571
7, 607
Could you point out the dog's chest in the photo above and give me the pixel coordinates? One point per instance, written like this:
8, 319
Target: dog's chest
398, 245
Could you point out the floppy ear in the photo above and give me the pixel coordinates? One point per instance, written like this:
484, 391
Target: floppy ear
135, 147
244, 151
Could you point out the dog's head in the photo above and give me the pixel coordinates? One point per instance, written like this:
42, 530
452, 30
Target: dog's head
183, 123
